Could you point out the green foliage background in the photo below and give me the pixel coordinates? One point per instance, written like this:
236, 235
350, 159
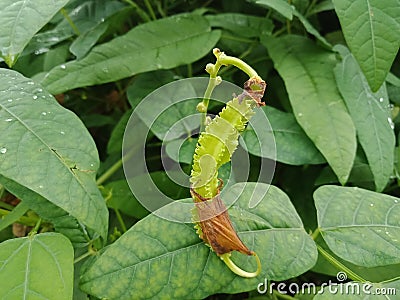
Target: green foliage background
71, 73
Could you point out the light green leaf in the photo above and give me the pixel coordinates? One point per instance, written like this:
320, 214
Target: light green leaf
360, 226
361, 291
372, 31
20, 21
171, 262
240, 24
162, 44
281, 6
292, 145
37, 267
83, 43
318, 107
46, 149
370, 115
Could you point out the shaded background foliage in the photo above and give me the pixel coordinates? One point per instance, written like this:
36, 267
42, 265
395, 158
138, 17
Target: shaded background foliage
79, 68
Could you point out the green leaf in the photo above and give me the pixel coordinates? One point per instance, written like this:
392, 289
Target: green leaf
162, 44
37, 267
240, 24
63, 222
372, 31
20, 21
311, 30
370, 115
123, 199
359, 226
115, 142
14, 215
46, 149
281, 6
292, 145
171, 262
318, 107
146, 83
83, 43
181, 150
361, 291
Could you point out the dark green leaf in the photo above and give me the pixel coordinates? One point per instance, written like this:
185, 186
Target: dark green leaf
240, 24
46, 148
162, 44
281, 6
292, 145
172, 262
372, 31
181, 150
317, 105
37, 267
360, 226
370, 115
20, 21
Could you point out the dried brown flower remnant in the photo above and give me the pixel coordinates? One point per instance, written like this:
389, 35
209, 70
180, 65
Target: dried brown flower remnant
216, 227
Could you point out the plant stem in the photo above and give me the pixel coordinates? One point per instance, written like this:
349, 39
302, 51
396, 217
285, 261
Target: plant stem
189, 70
69, 20
6, 205
150, 9
339, 265
120, 220
142, 14
315, 234
114, 168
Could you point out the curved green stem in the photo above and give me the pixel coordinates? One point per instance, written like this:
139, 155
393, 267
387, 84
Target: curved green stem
69, 20
222, 60
114, 168
339, 265
226, 258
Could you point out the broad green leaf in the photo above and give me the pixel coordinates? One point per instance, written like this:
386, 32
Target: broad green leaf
323, 6
311, 30
160, 259
292, 145
37, 267
162, 44
372, 31
370, 115
20, 21
63, 222
14, 215
144, 84
46, 149
361, 291
317, 105
120, 197
240, 24
281, 6
360, 226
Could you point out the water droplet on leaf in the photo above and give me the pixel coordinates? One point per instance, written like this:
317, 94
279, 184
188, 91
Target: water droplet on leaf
3, 150
63, 67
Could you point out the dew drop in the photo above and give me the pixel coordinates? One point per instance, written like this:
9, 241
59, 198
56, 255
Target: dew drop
34, 97
91, 165
381, 99
9, 100
9, 120
44, 113
300, 114
105, 70
102, 19
40, 186
159, 66
3, 150
31, 82
391, 123
371, 204
387, 232
395, 201
62, 132
63, 67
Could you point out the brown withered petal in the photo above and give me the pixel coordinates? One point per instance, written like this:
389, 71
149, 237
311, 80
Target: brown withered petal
217, 229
